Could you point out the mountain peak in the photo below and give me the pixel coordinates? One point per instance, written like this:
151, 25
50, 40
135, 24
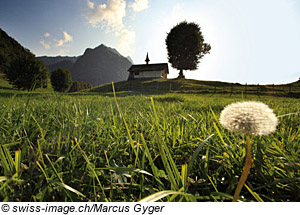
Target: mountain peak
101, 46
97, 48
101, 65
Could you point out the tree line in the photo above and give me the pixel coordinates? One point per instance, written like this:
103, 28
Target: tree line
61, 81
27, 72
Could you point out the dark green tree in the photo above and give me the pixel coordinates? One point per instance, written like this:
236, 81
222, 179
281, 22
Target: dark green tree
61, 80
77, 86
27, 72
10, 50
185, 46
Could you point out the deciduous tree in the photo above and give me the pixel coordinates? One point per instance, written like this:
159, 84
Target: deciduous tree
186, 46
61, 80
27, 72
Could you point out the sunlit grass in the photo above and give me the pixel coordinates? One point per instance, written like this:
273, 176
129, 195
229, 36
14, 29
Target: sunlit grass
91, 147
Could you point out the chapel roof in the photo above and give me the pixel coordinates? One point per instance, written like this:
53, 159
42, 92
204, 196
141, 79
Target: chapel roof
149, 67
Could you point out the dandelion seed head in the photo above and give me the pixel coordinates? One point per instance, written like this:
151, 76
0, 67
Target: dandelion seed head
249, 117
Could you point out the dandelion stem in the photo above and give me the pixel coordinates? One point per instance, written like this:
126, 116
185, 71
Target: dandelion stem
245, 171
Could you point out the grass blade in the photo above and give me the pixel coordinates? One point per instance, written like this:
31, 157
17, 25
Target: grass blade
56, 173
6, 108
151, 162
3, 178
42, 169
126, 126
173, 181
18, 161
254, 194
184, 174
225, 195
93, 169
5, 165
159, 195
67, 187
7, 161
196, 152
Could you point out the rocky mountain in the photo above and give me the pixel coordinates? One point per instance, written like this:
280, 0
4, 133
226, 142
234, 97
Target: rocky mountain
129, 58
101, 65
66, 64
54, 63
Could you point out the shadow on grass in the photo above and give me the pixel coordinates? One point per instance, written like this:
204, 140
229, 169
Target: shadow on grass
5, 88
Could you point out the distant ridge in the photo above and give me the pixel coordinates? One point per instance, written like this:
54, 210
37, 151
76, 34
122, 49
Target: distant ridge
49, 60
66, 64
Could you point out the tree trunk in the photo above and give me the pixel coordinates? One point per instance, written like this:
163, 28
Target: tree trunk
180, 75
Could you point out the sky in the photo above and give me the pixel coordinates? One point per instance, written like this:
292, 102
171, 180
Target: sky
252, 41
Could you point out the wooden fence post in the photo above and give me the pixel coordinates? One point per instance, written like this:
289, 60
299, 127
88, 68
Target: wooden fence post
231, 90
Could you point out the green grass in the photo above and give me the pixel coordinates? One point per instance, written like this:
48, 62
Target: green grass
92, 146
159, 86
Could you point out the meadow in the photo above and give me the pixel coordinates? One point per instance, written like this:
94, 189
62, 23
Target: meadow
101, 146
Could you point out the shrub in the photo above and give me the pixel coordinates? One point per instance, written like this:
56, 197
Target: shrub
27, 72
61, 80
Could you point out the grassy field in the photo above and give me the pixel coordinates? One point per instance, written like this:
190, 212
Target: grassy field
93, 146
190, 86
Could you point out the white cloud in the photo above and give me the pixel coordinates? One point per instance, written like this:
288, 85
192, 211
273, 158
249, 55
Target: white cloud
68, 37
108, 15
60, 43
139, 5
126, 40
46, 45
90, 4
62, 52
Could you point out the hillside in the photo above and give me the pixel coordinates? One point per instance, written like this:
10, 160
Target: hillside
4, 83
19, 66
101, 65
196, 86
9, 50
62, 64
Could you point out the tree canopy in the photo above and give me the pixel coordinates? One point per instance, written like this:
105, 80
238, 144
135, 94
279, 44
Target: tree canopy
10, 49
186, 46
27, 72
61, 80
21, 68
77, 86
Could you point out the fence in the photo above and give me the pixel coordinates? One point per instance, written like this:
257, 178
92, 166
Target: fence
207, 88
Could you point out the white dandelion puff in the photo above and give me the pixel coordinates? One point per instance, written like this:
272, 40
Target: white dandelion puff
250, 118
